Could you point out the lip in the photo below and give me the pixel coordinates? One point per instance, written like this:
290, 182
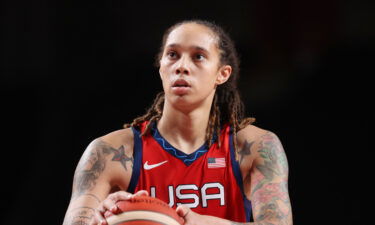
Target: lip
180, 87
180, 83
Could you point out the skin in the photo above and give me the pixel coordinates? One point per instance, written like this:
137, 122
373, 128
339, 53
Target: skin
190, 54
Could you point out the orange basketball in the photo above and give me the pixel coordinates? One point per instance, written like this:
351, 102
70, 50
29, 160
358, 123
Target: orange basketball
144, 210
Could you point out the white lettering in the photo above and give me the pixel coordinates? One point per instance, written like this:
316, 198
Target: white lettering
206, 196
179, 195
170, 194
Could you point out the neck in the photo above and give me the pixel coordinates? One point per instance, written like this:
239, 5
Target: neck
185, 130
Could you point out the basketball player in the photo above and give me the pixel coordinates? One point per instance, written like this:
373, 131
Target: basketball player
193, 149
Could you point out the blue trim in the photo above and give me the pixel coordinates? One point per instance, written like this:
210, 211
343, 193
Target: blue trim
137, 155
238, 175
187, 159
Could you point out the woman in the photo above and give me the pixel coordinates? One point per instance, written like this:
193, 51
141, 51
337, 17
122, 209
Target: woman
193, 148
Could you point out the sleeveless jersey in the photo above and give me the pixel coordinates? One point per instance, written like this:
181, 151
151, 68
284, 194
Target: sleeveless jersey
208, 181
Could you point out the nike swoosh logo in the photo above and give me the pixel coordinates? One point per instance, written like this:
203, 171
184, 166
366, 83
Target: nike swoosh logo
146, 166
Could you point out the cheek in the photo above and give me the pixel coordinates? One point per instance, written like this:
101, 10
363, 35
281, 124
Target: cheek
164, 68
164, 77
212, 76
207, 83
162, 71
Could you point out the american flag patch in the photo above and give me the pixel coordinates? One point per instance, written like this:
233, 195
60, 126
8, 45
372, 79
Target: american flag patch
216, 162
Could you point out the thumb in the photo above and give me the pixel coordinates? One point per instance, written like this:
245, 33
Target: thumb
183, 211
141, 193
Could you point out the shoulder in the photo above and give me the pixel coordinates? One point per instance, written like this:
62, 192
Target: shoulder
108, 158
114, 142
251, 141
110, 142
255, 134
250, 132
118, 138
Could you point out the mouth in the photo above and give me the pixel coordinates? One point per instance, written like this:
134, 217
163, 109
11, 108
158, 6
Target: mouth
181, 87
180, 83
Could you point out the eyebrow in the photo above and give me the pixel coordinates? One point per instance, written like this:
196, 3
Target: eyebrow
191, 47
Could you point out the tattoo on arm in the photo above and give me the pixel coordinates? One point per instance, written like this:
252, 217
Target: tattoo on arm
275, 162
93, 163
253, 223
80, 223
245, 150
79, 216
94, 197
270, 193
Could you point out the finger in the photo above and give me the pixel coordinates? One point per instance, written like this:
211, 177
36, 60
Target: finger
107, 214
101, 209
120, 195
95, 222
110, 202
141, 193
183, 211
98, 219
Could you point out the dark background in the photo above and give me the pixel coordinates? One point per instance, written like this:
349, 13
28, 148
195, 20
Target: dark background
75, 70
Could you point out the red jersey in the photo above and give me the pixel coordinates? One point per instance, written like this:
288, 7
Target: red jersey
208, 180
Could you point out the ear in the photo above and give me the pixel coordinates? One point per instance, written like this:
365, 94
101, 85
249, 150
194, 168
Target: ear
223, 74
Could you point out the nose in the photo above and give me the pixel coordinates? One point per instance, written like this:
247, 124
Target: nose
183, 66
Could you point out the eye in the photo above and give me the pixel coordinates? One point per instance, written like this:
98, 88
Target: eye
199, 57
172, 54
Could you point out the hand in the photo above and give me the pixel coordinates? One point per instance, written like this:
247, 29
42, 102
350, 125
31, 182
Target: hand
109, 204
192, 218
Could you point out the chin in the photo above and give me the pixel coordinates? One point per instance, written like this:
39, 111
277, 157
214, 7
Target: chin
187, 103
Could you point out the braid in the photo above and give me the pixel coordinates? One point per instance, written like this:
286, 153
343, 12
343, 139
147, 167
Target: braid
214, 126
210, 126
153, 114
218, 124
237, 120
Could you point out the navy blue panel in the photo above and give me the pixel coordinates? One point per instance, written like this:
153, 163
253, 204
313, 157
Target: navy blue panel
238, 175
188, 159
137, 155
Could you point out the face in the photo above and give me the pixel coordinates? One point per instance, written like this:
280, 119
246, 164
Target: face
190, 66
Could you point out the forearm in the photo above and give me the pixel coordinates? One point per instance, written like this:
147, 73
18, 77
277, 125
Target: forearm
81, 210
79, 216
259, 223
263, 223
218, 221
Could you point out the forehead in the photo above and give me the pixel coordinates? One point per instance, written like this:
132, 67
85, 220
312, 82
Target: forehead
192, 34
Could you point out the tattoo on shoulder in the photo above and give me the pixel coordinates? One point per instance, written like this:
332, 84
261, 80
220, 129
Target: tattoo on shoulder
245, 150
122, 157
93, 163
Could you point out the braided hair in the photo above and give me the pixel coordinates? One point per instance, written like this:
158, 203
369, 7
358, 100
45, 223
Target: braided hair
227, 106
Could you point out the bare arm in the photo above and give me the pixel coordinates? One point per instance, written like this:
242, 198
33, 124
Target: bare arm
268, 186
269, 183
94, 179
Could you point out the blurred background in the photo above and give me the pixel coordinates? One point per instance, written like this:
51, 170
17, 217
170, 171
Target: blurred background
72, 71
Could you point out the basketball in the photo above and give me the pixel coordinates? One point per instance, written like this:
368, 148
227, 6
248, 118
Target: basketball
144, 210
